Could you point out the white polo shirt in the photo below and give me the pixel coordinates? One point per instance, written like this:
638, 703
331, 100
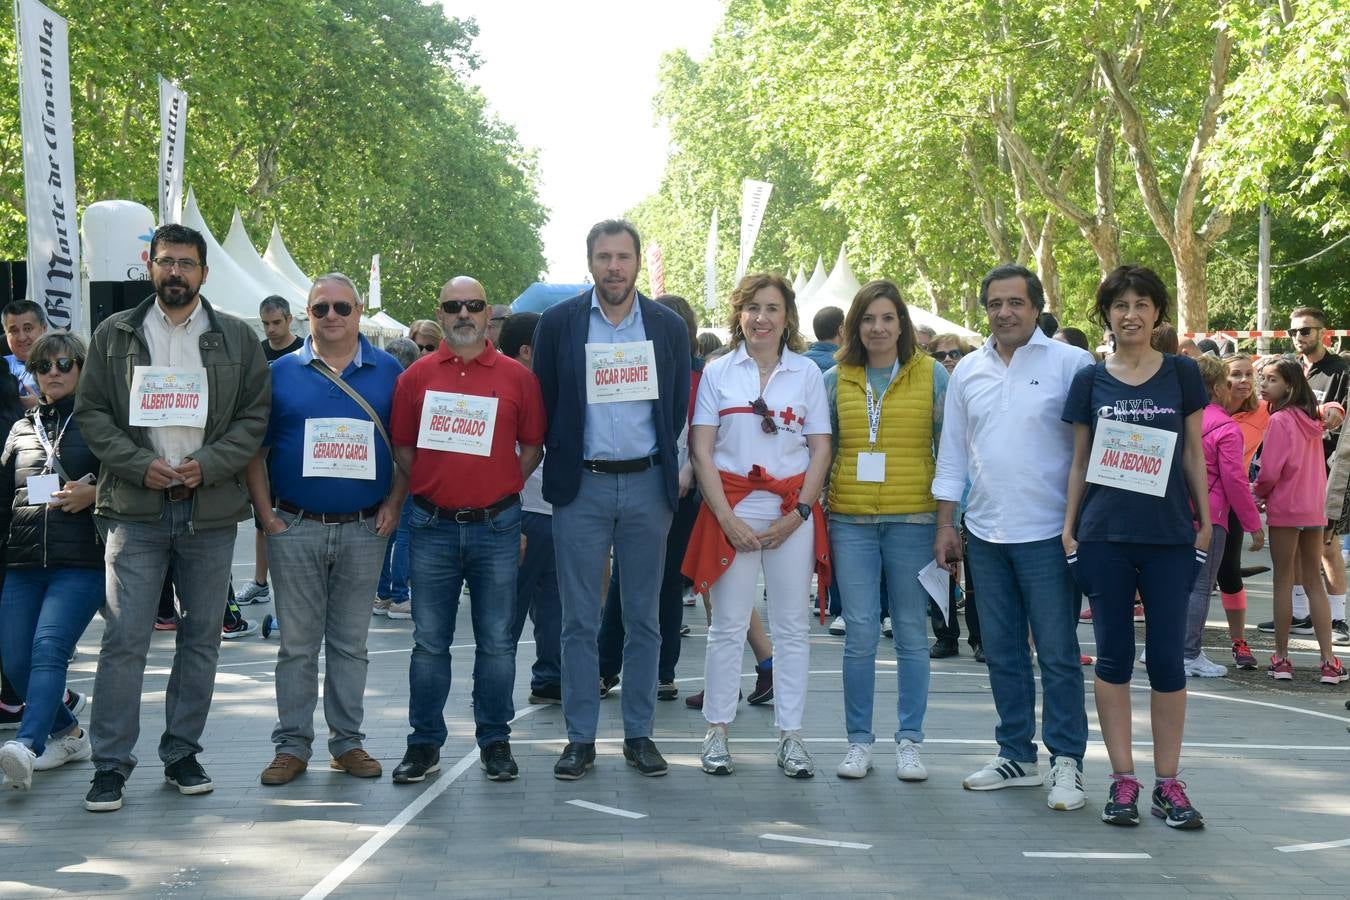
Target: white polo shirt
795, 397
1002, 430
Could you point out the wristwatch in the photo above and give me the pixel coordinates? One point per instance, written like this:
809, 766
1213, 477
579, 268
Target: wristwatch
804, 510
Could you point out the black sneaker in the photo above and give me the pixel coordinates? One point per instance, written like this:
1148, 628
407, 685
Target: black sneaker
1122, 801
666, 690
419, 761
188, 776
575, 760
1171, 803
943, 649
641, 754
1296, 626
763, 690
10, 718
106, 793
495, 759
979, 652
74, 702
1340, 632
607, 684
546, 693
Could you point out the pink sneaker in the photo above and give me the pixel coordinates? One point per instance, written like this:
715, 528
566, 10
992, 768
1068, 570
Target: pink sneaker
1281, 669
1333, 672
1242, 655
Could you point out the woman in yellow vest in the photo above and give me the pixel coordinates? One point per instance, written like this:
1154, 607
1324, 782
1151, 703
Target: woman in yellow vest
886, 401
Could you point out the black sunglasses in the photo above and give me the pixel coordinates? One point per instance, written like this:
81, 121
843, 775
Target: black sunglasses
64, 364
452, 307
341, 307
766, 424
428, 348
1303, 332
940, 355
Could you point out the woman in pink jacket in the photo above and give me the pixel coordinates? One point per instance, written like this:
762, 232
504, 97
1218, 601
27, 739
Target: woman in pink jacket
1228, 491
1293, 486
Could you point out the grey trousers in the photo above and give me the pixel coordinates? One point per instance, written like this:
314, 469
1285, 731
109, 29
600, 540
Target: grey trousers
630, 513
1197, 608
137, 556
325, 577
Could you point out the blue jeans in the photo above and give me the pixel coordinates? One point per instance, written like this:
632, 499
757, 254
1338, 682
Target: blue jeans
44, 612
537, 599
860, 554
444, 555
394, 573
1020, 585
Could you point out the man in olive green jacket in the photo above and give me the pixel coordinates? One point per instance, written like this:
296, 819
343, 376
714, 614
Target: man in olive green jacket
174, 401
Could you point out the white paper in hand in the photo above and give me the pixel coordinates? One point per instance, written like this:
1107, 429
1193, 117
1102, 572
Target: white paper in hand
41, 488
938, 582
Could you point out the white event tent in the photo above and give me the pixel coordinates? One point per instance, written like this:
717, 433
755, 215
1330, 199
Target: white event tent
812, 284
241, 249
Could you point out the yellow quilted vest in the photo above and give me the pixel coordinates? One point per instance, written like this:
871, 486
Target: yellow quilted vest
905, 435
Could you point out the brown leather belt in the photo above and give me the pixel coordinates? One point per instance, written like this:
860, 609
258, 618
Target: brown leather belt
469, 515
179, 492
328, 518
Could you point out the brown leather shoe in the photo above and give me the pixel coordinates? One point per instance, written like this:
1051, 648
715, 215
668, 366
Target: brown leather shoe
283, 768
357, 762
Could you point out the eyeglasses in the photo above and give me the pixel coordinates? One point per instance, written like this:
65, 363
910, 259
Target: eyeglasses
428, 348
452, 307
940, 355
183, 265
341, 307
766, 424
1304, 331
64, 364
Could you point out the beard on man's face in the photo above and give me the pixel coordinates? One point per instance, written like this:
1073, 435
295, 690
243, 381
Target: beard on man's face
464, 334
174, 291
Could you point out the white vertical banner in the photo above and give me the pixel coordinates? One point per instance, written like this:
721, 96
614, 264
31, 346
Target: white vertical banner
754, 199
48, 163
173, 108
710, 266
373, 293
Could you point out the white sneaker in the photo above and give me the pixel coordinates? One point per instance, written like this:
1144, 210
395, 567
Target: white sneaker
908, 766
65, 749
16, 761
1204, 667
1066, 785
254, 593
837, 626
401, 610
857, 762
380, 606
793, 758
886, 629
1000, 773
716, 756
1142, 657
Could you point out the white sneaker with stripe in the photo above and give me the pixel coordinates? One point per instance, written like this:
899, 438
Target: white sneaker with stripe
1001, 773
1065, 782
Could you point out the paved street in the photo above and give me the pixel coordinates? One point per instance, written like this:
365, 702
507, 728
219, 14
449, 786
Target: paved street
1268, 765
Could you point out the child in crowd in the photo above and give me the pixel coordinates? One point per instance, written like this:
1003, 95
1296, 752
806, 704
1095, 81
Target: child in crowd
1228, 494
1292, 484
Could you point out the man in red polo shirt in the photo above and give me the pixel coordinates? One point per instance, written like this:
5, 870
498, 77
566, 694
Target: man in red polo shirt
459, 414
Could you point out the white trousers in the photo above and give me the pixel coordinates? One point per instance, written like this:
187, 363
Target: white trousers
787, 577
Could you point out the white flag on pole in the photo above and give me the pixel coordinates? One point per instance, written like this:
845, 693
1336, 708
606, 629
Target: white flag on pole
48, 163
754, 199
173, 107
710, 266
373, 294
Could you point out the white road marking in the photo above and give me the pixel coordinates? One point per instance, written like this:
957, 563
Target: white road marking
815, 842
349, 866
1303, 848
1058, 854
608, 810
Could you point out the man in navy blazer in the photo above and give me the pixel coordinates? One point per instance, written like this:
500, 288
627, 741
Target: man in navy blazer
614, 368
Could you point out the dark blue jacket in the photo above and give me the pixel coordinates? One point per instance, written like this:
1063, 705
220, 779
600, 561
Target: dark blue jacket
559, 362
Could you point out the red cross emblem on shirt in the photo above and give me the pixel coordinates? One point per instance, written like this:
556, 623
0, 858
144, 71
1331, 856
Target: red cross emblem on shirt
788, 417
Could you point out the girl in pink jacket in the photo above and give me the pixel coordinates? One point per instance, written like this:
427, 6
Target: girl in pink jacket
1293, 486
1228, 490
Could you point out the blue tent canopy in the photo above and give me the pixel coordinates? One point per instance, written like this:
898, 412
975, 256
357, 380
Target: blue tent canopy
540, 296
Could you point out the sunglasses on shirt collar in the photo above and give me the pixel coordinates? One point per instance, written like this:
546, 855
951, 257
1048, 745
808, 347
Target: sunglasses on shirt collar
766, 423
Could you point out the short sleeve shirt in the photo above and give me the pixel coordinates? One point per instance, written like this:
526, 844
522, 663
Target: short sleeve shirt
274, 355
461, 480
1164, 401
795, 398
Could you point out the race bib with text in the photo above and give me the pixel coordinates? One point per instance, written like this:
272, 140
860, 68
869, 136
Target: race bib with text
457, 423
168, 396
1131, 457
339, 448
617, 372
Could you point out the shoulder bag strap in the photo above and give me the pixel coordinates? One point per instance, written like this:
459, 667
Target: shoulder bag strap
346, 388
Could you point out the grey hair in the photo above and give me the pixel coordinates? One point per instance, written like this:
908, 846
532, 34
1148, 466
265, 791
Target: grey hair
56, 344
339, 278
403, 350
275, 303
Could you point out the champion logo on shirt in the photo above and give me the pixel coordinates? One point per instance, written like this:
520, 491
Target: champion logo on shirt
1134, 410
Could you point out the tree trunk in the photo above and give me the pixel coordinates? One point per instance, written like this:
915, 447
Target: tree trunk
1046, 267
1192, 313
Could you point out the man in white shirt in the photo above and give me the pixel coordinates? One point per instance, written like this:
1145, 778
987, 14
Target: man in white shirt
1002, 431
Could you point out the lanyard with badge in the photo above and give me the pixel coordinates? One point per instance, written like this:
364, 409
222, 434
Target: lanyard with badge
41, 487
872, 465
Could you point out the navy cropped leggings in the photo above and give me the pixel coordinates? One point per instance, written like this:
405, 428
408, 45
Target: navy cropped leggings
1110, 573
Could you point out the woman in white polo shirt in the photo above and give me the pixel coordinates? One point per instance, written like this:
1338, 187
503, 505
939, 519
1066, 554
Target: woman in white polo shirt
760, 446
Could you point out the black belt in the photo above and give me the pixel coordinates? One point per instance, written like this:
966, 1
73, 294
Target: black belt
467, 515
621, 466
328, 518
179, 492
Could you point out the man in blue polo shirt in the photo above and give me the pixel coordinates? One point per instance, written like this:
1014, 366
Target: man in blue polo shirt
338, 496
